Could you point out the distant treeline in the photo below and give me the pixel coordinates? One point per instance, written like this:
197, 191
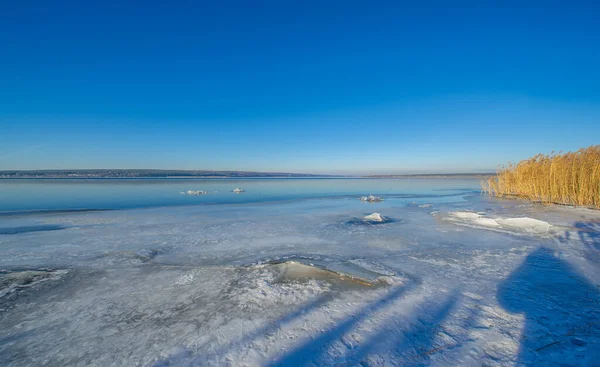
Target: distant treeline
142, 173
571, 178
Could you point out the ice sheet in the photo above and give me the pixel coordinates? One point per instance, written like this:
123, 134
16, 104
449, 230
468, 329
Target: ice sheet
483, 282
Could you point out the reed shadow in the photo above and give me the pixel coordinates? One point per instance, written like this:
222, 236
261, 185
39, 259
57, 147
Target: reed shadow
10, 352
312, 350
589, 234
268, 329
413, 345
561, 310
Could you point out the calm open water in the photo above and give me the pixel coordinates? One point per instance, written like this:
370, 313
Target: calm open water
65, 194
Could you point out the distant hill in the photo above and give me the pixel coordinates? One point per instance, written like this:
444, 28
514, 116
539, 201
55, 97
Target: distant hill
143, 173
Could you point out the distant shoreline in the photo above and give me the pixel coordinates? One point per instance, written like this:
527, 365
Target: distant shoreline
143, 173
171, 178
183, 174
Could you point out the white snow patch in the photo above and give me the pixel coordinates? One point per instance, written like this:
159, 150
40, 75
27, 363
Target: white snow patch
194, 192
465, 215
524, 224
486, 222
375, 217
371, 199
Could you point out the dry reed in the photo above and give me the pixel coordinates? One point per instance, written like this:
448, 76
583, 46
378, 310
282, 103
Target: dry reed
571, 178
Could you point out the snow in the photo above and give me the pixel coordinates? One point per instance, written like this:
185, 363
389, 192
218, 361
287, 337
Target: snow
523, 224
466, 215
483, 282
194, 192
371, 199
375, 217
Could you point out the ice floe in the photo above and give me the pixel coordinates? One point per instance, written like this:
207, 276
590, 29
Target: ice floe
371, 199
375, 218
340, 274
194, 192
297, 271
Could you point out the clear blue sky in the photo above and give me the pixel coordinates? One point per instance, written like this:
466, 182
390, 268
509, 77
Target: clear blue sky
297, 86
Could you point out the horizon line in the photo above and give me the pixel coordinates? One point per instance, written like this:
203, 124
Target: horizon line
227, 171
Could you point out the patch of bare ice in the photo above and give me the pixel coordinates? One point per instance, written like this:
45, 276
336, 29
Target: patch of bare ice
10, 282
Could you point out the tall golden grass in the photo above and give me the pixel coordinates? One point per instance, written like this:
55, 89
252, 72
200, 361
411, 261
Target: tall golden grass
571, 178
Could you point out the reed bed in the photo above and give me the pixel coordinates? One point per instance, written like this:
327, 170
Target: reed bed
571, 178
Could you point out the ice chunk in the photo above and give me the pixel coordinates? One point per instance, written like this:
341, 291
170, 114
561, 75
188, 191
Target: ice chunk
296, 271
371, 199
371, 219
375, 217
340, 273
194, 192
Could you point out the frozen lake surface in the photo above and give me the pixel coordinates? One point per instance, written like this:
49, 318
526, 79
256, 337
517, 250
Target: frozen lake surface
290, 273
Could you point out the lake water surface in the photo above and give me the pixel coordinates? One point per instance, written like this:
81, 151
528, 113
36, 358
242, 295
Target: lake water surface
61, 194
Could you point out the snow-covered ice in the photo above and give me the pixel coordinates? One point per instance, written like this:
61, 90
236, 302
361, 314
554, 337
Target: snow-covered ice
194, 192
292, 283
371, 199
523, 224
375, 217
